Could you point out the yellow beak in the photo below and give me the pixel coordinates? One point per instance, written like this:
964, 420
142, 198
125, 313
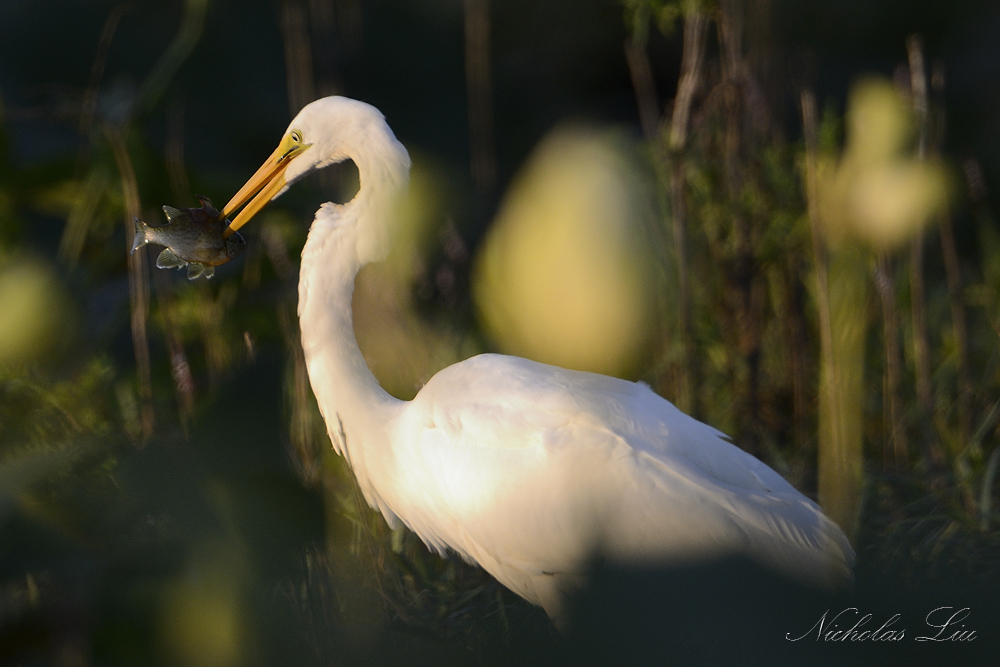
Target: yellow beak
265, 183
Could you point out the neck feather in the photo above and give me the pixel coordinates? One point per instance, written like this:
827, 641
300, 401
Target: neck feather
358, 412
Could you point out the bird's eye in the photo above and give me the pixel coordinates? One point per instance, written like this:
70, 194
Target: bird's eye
296, 136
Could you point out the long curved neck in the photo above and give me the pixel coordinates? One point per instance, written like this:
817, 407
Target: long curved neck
357, 411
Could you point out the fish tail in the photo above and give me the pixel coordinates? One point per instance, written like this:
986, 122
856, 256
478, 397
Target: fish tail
140, 235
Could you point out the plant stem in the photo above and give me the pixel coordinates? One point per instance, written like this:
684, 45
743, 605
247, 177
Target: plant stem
953, 276
97, 69
138, 287
840, 297
745, 270
798, 349
180, 369
921, 345
182, 45
695, 29
895, 451
644, 88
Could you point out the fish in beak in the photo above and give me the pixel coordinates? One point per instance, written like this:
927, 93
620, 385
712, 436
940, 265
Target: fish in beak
195, 238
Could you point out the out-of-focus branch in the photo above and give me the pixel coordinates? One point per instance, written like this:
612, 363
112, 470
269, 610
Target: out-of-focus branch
645, 90
798, 353
841, 297
180, 187
81, 215
97, 69
986, 490
94, 183
953, 276
747, 293
180, 48
809, 127
921, 345
180, 369
895, 452
695, 29
137, 284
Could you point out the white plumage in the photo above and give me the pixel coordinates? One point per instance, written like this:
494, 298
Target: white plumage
526, 469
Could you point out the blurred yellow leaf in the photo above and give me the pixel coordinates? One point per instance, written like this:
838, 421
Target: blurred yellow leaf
878, 191
35, 311
879, 122
564, 276
893, 200
202, 623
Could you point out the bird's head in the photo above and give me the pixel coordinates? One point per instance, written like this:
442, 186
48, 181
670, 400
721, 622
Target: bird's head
326, 131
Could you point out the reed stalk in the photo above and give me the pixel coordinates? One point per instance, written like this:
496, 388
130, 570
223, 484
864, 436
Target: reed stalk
841, 295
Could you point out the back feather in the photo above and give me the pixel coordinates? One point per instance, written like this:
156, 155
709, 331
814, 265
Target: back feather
530, 470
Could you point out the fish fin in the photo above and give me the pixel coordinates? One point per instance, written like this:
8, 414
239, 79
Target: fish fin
209, 207
169, 260
171, 212
140, 235
195, 270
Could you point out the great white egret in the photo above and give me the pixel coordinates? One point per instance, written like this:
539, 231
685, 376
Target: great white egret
524, 468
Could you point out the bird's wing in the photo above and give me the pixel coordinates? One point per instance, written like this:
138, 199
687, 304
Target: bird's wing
528, 469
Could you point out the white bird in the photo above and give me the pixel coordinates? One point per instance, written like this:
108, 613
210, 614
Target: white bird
526, 469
